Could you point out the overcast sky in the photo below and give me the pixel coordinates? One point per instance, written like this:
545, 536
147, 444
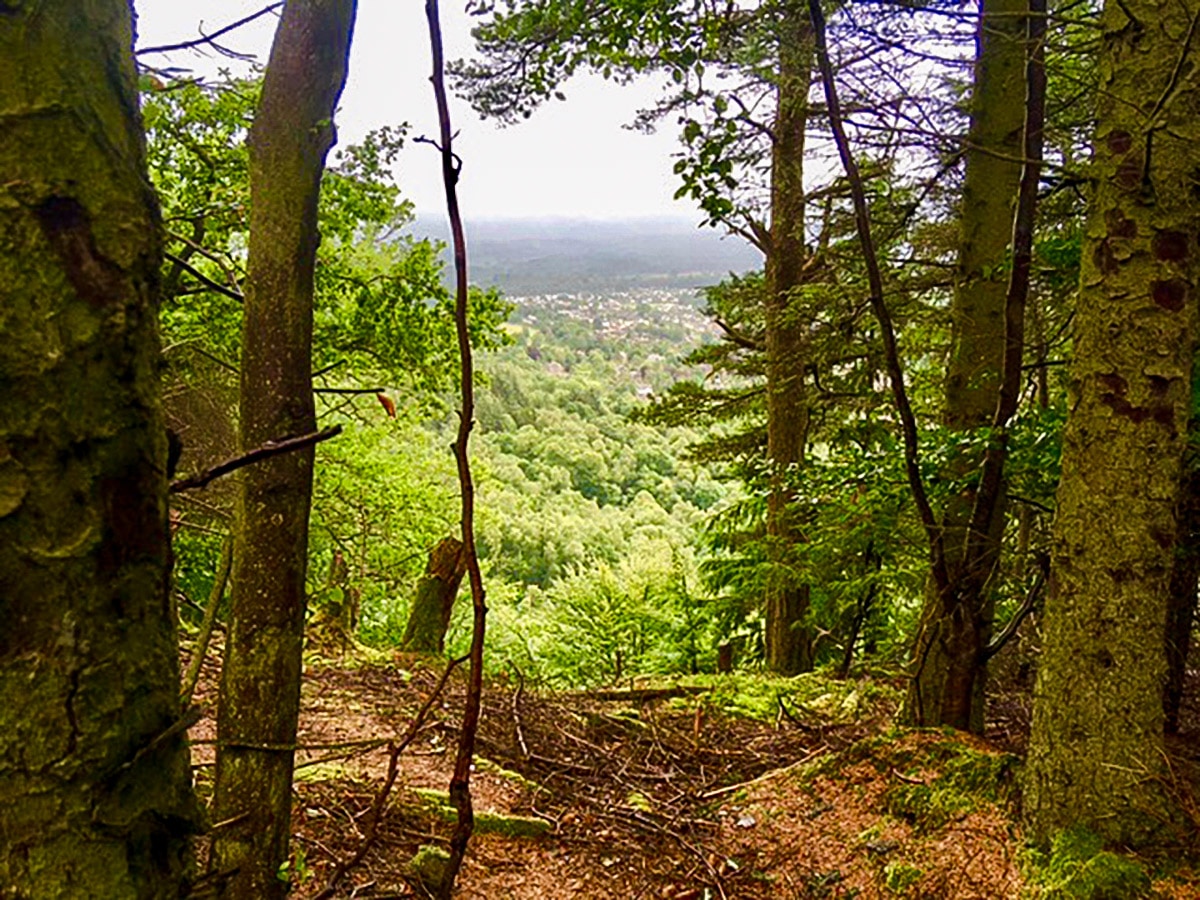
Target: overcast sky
571, 159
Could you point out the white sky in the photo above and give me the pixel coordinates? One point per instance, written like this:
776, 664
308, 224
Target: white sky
571, 159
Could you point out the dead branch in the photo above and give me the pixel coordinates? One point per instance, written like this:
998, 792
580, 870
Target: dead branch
210, 38
207, 282
1026, 607
192, 676
643, 695
895, 370
766, 776
266, 451
516, 711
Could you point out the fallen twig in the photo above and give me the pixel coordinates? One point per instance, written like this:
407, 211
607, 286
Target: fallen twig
516, 711
774, 773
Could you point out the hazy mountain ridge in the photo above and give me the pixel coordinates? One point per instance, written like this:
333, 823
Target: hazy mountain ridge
532, 256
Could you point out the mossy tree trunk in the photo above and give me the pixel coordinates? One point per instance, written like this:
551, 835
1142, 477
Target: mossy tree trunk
260, 689
948, 672
1095, 748
434, 602
788, 635
95, 782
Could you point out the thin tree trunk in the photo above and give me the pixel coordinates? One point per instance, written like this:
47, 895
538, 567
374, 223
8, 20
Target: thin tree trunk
95, 782
464, 759
788, 635
946, 671
1095, 751
958, 596
260, 690
192, 676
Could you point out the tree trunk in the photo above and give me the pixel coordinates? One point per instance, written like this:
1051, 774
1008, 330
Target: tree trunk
260, 689
788, 634
1181, 601
430, 615
95, 782
946, 686
1096, 745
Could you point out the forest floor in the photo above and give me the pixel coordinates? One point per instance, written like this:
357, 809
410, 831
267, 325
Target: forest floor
697, 789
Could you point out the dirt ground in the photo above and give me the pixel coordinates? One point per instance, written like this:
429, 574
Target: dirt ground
658, 792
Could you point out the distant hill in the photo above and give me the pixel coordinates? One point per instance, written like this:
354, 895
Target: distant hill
536, 256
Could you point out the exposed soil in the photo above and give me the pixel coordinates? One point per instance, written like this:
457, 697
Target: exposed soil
652, 794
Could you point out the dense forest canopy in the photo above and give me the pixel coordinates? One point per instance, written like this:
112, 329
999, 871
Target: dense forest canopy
904, 430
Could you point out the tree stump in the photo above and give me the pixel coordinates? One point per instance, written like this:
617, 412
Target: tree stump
430, 616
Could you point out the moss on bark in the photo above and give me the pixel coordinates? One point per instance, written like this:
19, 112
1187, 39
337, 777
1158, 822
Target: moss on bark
95, 784
1095, 749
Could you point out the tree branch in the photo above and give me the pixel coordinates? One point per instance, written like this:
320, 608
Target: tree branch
895, 370
742, 340
204, 279
1026, 607
395, 749
258, 454
208, 39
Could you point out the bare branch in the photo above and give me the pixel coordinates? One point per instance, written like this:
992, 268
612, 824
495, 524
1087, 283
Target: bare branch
211, 38
258, 454
878, 305
204, 279
395, 749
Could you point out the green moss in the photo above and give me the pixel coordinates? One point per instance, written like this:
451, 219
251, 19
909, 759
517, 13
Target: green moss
488, 767
510, 826
432, 797
899, 877
437, 803
811, 696
1079, 868
330, 771
429, 867
968, 778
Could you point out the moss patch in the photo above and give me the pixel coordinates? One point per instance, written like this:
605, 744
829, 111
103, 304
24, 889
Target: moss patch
1079, 868
968, 777
813, 696
324, 771
429, 867
488, 767
437, 803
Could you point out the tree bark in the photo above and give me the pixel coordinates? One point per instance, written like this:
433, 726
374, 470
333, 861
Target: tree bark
260, 690
788, 635
1095, 748
95, 782
434, 602
948, 672
1181, 601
